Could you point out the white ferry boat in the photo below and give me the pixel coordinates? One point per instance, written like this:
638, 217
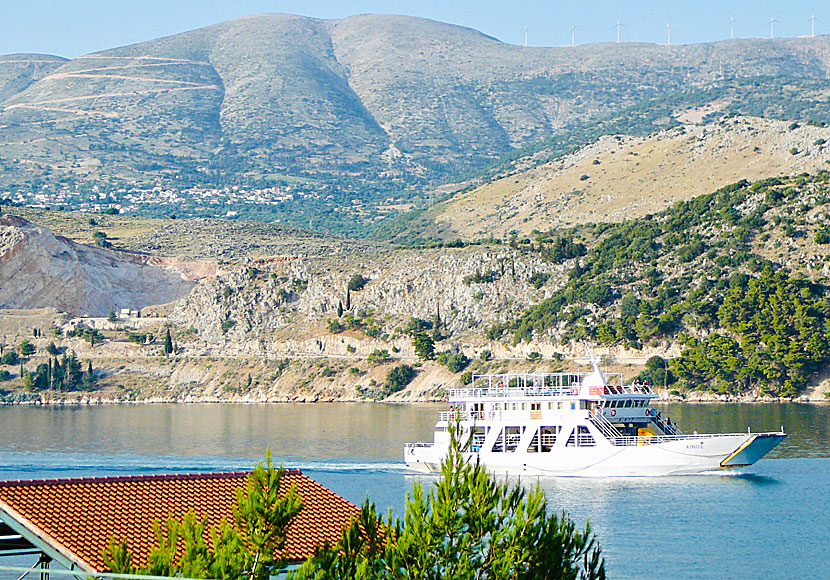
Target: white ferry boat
577, 424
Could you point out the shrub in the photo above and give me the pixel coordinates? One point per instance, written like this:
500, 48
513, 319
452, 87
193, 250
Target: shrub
5, 375
455, 362
538, 279
9, 358
534, 357
228, 324
378, 356
398, 377
26, 348
357, 282
334, 326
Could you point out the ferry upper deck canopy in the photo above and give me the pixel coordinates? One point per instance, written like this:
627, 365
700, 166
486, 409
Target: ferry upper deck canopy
520, 385
70, 521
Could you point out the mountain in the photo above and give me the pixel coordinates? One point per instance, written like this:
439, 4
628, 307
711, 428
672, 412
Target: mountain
332, 119
622, 177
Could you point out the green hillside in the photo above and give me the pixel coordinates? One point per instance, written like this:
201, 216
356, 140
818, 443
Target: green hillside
739, 277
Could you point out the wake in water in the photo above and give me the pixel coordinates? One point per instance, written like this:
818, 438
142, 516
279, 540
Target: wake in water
15, 465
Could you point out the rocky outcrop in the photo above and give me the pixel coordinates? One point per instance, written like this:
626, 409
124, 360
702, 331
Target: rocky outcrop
39, 269
285, 310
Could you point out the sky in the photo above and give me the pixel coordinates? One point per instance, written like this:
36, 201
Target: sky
70, 28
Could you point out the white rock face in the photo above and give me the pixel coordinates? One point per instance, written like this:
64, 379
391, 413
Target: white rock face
38, 269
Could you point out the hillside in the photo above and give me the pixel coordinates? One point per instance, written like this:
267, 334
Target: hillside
623, 177
730, 290
40, 270
340, 121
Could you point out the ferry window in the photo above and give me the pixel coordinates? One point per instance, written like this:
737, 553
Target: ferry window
573, 406
498, 406
512, 435
536, 406
477, 438
559, 406
571, 440
514, 406
550, 406
524, 406
584, 437
581, 437
628, 403
547, 437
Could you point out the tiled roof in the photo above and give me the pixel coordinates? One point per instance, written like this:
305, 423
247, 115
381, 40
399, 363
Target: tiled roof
78, 516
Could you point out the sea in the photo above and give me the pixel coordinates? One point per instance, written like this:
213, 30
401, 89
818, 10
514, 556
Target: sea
768, 521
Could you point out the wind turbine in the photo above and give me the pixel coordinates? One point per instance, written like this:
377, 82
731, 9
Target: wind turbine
573, 35
813, 25
732, 27
525, 36
668, 32
619, 28
772, 22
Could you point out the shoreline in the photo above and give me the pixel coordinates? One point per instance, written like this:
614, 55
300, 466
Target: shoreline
41, 401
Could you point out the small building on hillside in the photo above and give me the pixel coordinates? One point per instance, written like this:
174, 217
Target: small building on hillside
70, 521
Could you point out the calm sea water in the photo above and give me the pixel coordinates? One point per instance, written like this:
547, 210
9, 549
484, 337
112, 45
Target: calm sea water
767, 522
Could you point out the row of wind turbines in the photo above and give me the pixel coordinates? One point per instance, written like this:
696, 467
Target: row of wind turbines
619, 26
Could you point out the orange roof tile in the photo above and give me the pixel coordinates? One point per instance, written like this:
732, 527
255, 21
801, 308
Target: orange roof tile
80, 515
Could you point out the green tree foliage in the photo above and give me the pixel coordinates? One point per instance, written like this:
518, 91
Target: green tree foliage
64, 374
246, 546
454, 361
417, 326
468, 526
9, 358
424, 346
92, 335
779, 333
398, 377
167, 349
378, 356
26, 348
356, 283
100, 239
657, 372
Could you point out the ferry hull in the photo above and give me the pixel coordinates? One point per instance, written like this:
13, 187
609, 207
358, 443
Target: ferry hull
677, 457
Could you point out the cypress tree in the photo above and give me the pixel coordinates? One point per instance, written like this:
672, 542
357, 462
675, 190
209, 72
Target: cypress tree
348, 299
339, 308
168, 343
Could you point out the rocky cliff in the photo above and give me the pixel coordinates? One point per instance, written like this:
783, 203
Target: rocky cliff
39, 269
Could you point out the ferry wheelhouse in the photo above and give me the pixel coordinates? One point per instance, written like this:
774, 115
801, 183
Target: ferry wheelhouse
577, 424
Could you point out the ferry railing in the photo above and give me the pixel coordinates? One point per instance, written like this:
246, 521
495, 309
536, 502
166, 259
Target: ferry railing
633, 440
605, 426
570, 391
460, 415
418, 444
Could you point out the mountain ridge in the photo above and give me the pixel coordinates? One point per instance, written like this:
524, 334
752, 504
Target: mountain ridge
370, 107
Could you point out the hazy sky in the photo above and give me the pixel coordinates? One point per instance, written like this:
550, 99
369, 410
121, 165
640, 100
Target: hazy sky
73, 27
